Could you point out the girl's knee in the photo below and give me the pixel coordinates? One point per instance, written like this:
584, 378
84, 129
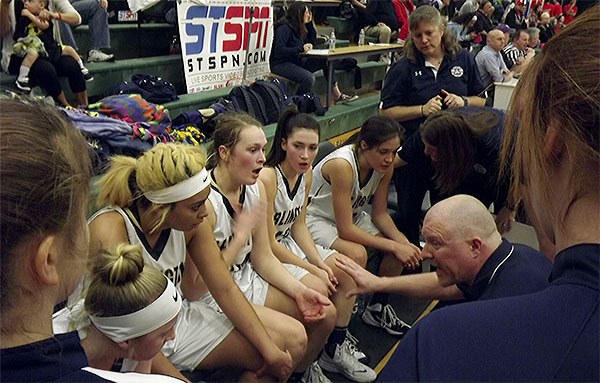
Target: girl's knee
296, 339
358, 254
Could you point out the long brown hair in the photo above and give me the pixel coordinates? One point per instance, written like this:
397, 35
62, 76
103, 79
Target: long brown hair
568, 99
456, 141
45, 172
295, 18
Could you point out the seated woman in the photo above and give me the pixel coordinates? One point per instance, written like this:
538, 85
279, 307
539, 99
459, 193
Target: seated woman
357, 174
128, 312
159, 201
42, 72
287, 177
462, 28
237, 195
44, 245
294, 35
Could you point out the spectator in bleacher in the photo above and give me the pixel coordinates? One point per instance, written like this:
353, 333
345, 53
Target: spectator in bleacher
484, 23
403, 9
516, 17
552, 141
517, 54
546, 28
94, 14
534, 38
490, 63
462, 26
469, 6
294, 35
507, 31
553, 7
433, 62
287, 178
344, 183
45, 173
380, 21
472, 261
159, 200
570, 11
42, 72
238, 199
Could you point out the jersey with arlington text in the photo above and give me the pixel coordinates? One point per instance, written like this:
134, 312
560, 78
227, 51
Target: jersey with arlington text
320, 198
168, 255
288, 203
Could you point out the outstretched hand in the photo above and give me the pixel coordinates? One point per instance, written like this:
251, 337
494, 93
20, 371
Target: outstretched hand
365, 281
312, 305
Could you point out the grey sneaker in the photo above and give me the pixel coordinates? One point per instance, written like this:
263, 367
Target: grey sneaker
96, 55
343, 362
314, 374
353, 346
386, 318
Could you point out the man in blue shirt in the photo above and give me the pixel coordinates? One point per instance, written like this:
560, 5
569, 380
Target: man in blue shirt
472, 260
489, 61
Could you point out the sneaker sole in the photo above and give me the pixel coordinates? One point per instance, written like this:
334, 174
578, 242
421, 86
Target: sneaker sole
331, 367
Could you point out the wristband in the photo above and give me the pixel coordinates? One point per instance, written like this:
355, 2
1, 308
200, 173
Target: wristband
465, 101
59, 16
422, 114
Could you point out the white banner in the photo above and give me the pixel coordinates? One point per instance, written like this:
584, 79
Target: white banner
213, 41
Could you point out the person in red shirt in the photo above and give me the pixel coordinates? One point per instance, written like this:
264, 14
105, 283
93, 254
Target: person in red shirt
570, 11
403, 8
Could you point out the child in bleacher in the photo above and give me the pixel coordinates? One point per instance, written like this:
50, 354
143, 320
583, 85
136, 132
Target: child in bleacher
35, 39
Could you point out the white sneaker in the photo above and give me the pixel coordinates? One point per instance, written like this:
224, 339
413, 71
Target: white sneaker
386, 318
96, 55
345, 363
314, 374
353, 346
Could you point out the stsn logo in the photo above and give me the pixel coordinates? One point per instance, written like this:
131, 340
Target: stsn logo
225, 29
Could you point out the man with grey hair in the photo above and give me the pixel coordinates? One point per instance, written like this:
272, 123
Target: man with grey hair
534, 37
472, 260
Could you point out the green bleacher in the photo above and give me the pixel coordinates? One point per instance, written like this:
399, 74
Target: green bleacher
144, 48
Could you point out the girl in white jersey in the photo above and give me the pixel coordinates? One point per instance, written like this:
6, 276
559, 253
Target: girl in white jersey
128, 312
356, 175
287, 177
237, 159
159, 201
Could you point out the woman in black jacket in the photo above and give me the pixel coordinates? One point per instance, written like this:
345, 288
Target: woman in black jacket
294, 36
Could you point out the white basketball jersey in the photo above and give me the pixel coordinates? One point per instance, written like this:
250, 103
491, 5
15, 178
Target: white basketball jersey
224, 214
168, 255
320, 199
288, 203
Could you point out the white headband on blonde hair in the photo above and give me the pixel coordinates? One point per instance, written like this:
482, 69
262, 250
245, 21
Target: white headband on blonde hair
144, 321
180, 191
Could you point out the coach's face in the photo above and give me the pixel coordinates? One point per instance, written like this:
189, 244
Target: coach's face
449, 253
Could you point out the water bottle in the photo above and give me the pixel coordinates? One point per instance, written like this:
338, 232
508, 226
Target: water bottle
332, 42
361, 38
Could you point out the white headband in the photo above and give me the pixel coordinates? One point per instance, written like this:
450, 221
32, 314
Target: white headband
144, 321
180, 191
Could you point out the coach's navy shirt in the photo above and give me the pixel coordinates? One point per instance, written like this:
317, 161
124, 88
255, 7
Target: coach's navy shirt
408, 83
551, 335
511, 270
58, 359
